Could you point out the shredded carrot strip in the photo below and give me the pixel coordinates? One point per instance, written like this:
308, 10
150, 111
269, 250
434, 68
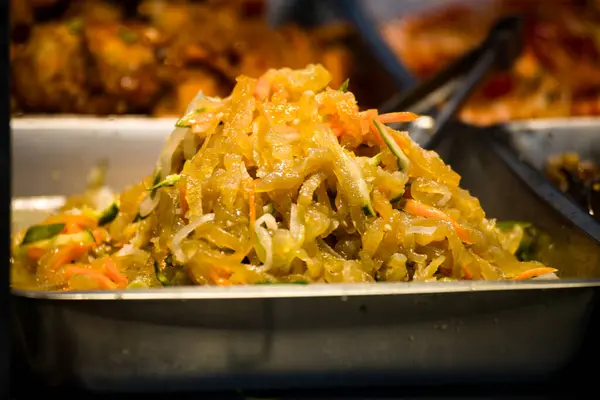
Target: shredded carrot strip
71, 227
71, 219
183, 204
218, 279
102, 280
35, 253
336, 125
100, 235
113, 273
375, 132
405, 116
262, 89
533, 273
415, 208
367, 124
466, 273
400, 141
68, 253
337, 130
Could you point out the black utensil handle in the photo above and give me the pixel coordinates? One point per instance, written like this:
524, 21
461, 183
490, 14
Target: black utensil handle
369, 29
497, 52
504, 40
447, 113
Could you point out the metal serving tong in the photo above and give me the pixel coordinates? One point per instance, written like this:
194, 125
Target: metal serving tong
454, 84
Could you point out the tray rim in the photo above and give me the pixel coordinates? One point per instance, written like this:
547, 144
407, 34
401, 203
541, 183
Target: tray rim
551, 123
310, 290
74, 124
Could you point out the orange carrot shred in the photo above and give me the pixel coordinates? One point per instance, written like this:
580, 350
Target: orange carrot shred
218, 279
68, 253
423, 210
71, 227
337, 130
466, 273
72, 219
102, 280
404, 116
401, 142
113, 273
533, 273
376, 132
262, 89
99, 236
35, 253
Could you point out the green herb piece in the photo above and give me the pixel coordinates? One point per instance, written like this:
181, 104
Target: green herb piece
128, 36
531, 241
160, 275
187, 120
138, 217
108, 215
344, 86
37, 233
169, 181
376, 159
403, 161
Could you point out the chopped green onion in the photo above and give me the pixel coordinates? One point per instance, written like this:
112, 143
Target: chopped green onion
187, 120
138, 217
530, 242
169, 181
403, 161
376, 159
37, 233
128, 36
156, 178
344, 86
108, 215
160, 275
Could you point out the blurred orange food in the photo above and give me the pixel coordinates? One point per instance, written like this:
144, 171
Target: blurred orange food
151, 56
558, 74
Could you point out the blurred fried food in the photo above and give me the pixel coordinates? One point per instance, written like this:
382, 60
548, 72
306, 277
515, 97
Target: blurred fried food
558, 74
151, 56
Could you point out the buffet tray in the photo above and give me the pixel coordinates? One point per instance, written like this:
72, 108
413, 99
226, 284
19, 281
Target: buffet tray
291, 336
